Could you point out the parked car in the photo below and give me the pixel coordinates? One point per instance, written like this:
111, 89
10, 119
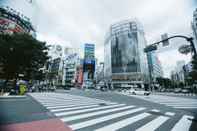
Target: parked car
139, 92
185, 91
103, 88
177, 90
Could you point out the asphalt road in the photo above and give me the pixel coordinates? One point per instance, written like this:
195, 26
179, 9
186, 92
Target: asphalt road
19, 110
102, 111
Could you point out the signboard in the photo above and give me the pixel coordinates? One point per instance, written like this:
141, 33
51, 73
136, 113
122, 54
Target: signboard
89, 69
8, 26
163, 37
89, 51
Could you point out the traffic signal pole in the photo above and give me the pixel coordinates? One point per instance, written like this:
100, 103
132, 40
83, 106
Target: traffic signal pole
153, 47
189, 39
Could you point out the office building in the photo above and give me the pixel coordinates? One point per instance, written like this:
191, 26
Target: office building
178, 74
194, 27
154, 65
124, 57
89, 62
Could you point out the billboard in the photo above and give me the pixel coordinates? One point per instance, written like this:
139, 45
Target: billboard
89, 51
8, 26
12, 21
89, 69
26, 8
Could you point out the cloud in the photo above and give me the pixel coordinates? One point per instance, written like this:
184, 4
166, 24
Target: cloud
87, 21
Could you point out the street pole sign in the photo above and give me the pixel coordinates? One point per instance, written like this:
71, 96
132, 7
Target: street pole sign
164, 41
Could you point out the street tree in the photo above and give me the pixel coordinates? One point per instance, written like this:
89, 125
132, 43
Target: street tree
21, 54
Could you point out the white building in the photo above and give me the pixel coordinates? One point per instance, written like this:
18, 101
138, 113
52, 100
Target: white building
178, 73
63, 63
99, 72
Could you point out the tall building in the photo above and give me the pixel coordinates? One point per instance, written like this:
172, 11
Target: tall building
194, 27
124, 57
63, 64
71, 62
178, 74
18, 16
89, 62
154, 65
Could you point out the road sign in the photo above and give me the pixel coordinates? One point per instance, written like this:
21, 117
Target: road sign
165, 42
150, 48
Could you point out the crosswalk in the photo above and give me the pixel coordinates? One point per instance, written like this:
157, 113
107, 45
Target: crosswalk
83, 113
175, 102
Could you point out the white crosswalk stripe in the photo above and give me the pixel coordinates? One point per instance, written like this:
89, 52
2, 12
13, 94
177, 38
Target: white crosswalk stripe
154, 124
184, 124
86, 110
105, 118
123, 123
175, 102
79, 114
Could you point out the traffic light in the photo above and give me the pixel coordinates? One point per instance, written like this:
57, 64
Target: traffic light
150, 48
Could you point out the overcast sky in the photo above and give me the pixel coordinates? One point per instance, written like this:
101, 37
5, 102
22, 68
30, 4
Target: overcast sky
75, 22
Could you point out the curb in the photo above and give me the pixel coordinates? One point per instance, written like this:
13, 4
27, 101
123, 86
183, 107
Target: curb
13, 97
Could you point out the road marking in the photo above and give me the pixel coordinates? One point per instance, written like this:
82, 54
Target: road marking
185, 107
154, 124
71, 118
123, 123
155, 110
102, 119
86, 110
170, 113
74, 108
68, 106
183, 124
63, 104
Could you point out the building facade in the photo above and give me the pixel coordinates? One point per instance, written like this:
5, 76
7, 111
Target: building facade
178, 74
194, 27
63, 64
18, 16
89, 62
124, 57
154, 65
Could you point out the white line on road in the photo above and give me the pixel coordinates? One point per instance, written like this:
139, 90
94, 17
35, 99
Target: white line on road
123, 123
170, 113
155, 110
183, 124
68, 106
65, 119
154, 124
86, 110
185, 107
105, 118
74, 108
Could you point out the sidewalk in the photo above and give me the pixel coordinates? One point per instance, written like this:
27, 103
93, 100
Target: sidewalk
27, 115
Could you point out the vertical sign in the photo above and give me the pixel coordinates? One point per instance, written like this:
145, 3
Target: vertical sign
163, 37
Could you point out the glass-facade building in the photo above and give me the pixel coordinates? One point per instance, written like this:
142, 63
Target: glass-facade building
194, 27
154, 65
124, 57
